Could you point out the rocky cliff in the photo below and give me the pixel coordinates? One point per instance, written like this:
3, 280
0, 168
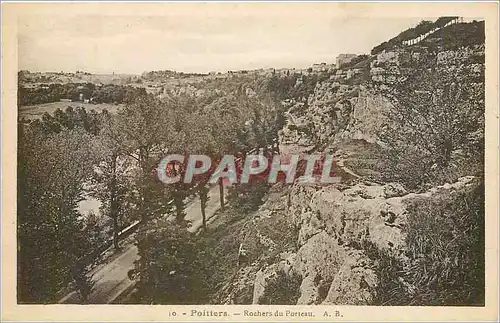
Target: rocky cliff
339, 235
353, 103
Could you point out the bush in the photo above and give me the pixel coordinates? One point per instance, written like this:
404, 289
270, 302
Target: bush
248, 197
460, 35
169, 269
436, 129
445, 250
283, 289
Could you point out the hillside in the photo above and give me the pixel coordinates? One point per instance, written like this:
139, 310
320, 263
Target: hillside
403, 226
366, 242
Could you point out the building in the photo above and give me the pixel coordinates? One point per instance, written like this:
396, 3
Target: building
344, 59
82, 94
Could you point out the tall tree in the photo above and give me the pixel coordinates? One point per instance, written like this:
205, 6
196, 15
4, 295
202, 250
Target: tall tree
112, 183
146, 135
169, 270
53, 239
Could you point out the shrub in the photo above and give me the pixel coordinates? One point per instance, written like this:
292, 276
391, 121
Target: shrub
169, 269
459, 35
436, 129
445, 251
248, 197
283, 289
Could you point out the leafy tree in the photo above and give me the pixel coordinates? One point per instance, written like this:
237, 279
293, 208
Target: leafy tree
146, 134
53, 237
112, 184
168, 267
436, 127
180, 107
202, 143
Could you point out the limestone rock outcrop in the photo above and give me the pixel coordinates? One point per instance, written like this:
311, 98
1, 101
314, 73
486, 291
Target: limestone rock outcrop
334, 228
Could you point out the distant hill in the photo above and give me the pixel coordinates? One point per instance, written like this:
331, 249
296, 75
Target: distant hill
33, 78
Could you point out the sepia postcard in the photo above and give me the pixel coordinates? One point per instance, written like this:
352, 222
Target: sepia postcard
249, 161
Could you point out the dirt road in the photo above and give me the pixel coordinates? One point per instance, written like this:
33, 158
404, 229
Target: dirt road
111, 279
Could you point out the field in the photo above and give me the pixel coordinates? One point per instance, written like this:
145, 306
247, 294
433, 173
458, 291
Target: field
36, 111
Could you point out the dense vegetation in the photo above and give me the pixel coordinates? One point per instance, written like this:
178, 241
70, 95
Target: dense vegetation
423, 27
455, 36
435, 136
54, 92
436, 133
162, 76
445, 250
113, 158
282, 290
55, 159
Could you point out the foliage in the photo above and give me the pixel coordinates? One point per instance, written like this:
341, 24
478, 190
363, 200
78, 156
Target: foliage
445, 251
53, 238
248, 197
218, 248
112, 182
422, 28
355, 62
68, 119
283, 289
458, 35
109, 93
436, 129
169, 269
65, 154
143, 132
84, 283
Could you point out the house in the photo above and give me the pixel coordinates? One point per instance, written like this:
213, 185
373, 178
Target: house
319, 67
344, 59
82, 94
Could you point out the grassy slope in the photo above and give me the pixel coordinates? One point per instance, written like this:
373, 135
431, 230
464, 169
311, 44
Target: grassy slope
220, 243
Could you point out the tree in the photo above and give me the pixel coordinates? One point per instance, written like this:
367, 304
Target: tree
146, 135
111, 182
436, 126
168, 268
202, 143
180, 107
214, 131
53, 239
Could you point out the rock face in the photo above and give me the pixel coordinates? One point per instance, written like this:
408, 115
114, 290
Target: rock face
241, 288
340, 229
334, 228
336, 111
351, 104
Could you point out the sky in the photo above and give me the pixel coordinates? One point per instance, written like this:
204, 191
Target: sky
196, 40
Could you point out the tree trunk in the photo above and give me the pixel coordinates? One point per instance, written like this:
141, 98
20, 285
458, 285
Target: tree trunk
178, 196
203, 215
144, 203
445, 158
203, 192
113, 203
277, 142
221, 194
179, 207
115, 233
